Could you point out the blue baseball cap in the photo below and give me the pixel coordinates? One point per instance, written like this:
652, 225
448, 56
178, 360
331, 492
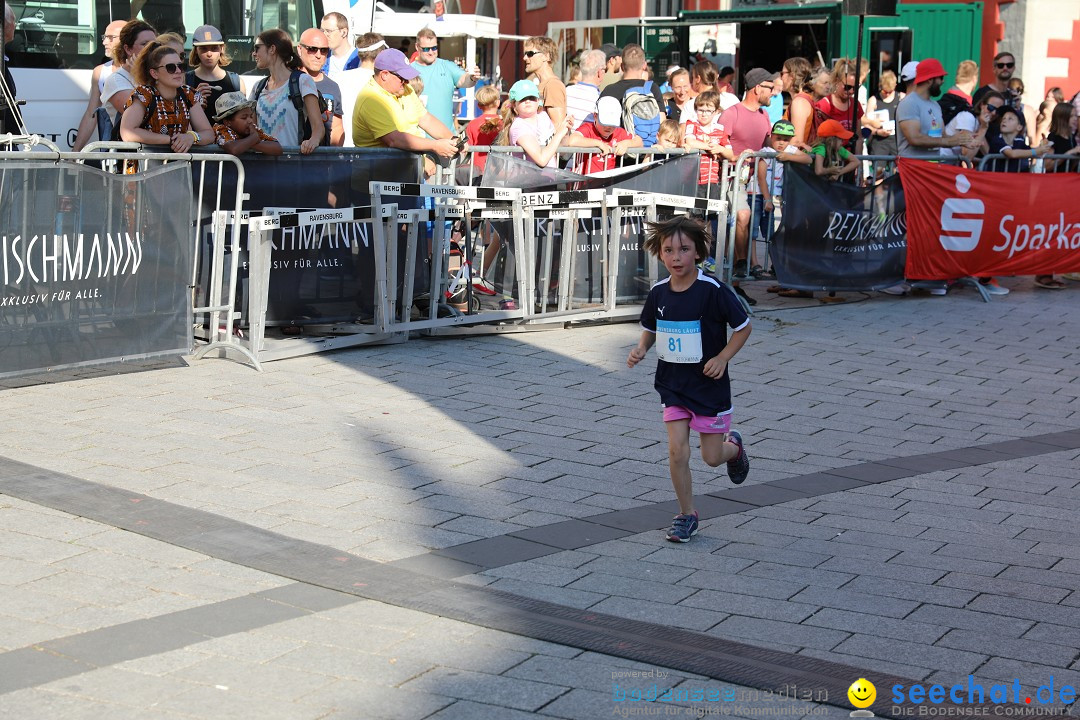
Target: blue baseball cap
524, 89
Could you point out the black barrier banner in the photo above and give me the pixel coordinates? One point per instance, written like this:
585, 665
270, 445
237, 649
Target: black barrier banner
321, 272
95, 266
835, 236
676, 175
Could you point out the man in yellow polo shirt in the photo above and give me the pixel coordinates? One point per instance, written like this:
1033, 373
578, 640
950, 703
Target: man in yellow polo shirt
389, 114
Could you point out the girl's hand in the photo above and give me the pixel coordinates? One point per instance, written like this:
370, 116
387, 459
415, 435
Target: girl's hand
715, 367
203, 89
637, 354
308, 146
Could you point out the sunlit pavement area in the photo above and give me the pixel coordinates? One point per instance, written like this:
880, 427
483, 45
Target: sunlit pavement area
471, 528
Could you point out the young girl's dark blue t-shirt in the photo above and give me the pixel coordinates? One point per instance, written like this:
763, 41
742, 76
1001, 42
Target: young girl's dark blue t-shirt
701, 313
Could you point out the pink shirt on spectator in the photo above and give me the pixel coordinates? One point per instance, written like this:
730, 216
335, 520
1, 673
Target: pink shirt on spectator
539, 127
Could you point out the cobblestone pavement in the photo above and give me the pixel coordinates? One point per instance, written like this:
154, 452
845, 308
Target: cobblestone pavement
401, 454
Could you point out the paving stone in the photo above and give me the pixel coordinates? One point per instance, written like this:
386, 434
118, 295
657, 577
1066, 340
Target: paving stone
754, 630
845, 599
494, 690
1050, 653
1005, 586
910, 653
766, 608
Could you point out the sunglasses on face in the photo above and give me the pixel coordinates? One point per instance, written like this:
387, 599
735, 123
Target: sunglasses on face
315, 49
530, 53
171, 68
849, 88
430, 48
1004, 65
256, 47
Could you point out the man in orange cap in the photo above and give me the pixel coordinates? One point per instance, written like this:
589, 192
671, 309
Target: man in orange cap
919, 116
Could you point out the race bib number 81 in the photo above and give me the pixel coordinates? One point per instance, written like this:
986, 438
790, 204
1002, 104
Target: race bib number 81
678, 342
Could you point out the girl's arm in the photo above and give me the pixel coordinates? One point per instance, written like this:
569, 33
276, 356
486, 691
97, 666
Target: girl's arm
314, 117
638, 352
542, 155
716, 366
819, 165
800, 115
851, 164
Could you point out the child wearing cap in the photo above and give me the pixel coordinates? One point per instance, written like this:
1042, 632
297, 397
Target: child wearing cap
235, 127
208, 60
526, 125
708, 135
831, 158
603, 130
770, 171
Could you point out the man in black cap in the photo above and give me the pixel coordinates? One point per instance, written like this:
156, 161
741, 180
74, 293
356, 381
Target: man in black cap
613, 69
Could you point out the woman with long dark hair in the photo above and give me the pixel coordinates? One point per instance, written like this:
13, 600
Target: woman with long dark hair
274, 108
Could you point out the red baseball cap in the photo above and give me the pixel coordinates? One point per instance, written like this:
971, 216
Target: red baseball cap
929, 69
831, 128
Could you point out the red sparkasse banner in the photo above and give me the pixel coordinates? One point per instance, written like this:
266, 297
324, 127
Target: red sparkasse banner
963, 223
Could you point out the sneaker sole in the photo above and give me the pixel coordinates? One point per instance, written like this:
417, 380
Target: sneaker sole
672, 538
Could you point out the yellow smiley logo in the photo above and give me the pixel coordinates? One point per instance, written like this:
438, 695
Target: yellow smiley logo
862, 693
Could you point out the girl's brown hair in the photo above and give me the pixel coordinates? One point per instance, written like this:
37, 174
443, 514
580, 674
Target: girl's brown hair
799, 70
690, 228
149, 59
282, 44
1059, 119
508, 113
129, 34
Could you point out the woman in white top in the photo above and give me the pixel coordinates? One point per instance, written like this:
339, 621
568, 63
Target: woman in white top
134, 36
528, 126
276, 113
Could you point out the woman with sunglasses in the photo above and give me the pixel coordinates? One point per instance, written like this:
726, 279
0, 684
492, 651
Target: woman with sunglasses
162, 109
208, 60
274, 52
837, 104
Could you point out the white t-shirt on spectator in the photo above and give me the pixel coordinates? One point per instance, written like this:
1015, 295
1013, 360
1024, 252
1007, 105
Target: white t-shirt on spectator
276, 114
963, 121
581, 102
116, 82
351, 83
542, 129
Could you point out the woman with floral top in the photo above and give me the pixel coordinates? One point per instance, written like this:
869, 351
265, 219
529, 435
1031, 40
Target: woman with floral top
163, 110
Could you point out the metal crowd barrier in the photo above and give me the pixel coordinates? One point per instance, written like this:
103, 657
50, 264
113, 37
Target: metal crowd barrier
997, 162
222, 331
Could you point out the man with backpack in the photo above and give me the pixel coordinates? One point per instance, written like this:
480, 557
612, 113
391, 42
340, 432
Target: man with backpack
642, 101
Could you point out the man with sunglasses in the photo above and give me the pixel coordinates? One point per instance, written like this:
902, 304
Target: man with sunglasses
313, 50
441, 77
1004, 66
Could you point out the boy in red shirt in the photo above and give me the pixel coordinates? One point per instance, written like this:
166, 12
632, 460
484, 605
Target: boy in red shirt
708, 135
484, 129
605, 132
